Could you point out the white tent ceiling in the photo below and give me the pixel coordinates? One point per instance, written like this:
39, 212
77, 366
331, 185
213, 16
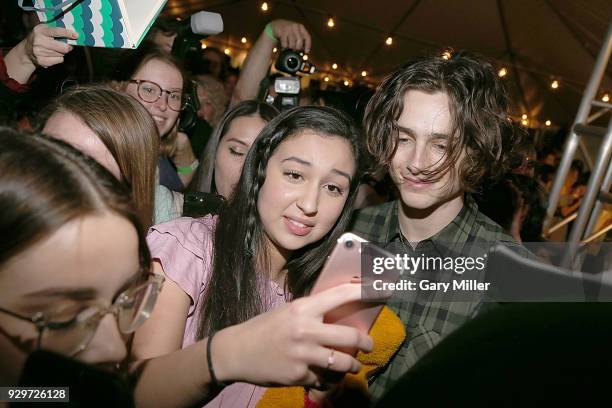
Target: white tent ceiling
537, 40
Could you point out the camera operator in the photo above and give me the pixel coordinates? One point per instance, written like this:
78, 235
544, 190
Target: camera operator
289, 34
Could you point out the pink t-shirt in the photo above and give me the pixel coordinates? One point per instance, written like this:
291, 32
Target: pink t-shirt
184, 247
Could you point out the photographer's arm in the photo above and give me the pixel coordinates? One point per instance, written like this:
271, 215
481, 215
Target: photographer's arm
184, 158
290, 35
38, 49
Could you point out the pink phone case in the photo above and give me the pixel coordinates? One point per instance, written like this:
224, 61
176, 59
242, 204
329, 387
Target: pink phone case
344, 266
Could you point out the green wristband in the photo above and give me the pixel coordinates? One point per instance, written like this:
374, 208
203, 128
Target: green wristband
188, 169
270, 32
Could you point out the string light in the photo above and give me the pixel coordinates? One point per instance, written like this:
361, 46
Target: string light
389, 40
305, 57
346, 83
524, 117
330, 22
275, 49
524, 122
502, 72
243, 40
227, 51
203, 44
554, 84
548, 123
264, 6
326, 79
605, 97
364, 73
334, 66
447, 54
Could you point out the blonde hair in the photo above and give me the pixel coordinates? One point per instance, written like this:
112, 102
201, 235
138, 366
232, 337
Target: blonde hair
216, 92
128, 132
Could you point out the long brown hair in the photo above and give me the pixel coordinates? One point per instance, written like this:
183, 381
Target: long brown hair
233, 292
128, 132
46, 183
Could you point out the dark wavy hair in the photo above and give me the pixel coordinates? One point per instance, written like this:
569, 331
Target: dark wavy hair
478, 107
233, 292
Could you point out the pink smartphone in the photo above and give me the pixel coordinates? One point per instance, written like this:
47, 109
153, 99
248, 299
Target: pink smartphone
344, 266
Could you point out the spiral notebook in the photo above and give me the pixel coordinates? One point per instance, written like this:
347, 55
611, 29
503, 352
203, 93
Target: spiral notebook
100, 23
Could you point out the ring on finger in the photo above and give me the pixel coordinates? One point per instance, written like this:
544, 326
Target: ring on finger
331, 359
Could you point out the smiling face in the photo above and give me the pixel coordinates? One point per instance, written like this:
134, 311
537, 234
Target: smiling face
425, 127
308, 180
69, 128
87, 261
168, 78
232, 150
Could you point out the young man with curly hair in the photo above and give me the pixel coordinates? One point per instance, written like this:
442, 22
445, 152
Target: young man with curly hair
439, 127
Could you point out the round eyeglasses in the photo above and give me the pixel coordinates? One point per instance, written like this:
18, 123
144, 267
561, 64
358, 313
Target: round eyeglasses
150, 92
70, 329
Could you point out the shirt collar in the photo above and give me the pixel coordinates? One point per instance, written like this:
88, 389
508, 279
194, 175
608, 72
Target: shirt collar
455, 235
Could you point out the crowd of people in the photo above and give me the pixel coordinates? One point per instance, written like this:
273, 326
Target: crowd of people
183, 255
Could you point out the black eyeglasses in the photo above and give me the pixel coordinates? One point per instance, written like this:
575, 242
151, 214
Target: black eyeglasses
150, 92
69, 331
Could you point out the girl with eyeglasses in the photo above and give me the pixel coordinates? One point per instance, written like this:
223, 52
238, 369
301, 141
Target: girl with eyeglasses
157, 80
75, 273
75, 278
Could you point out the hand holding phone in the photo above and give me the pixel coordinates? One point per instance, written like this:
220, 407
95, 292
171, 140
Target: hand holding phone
344, 266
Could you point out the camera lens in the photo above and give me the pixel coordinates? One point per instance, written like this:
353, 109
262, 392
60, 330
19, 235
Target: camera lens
348, 244
292, 63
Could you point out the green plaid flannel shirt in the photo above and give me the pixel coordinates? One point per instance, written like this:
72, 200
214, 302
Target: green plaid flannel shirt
431, 318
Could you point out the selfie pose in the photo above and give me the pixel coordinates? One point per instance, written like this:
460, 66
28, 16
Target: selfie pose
266, 247
85, 304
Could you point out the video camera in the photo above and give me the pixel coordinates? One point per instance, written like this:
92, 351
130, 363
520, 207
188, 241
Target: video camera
288, 88
189, 33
